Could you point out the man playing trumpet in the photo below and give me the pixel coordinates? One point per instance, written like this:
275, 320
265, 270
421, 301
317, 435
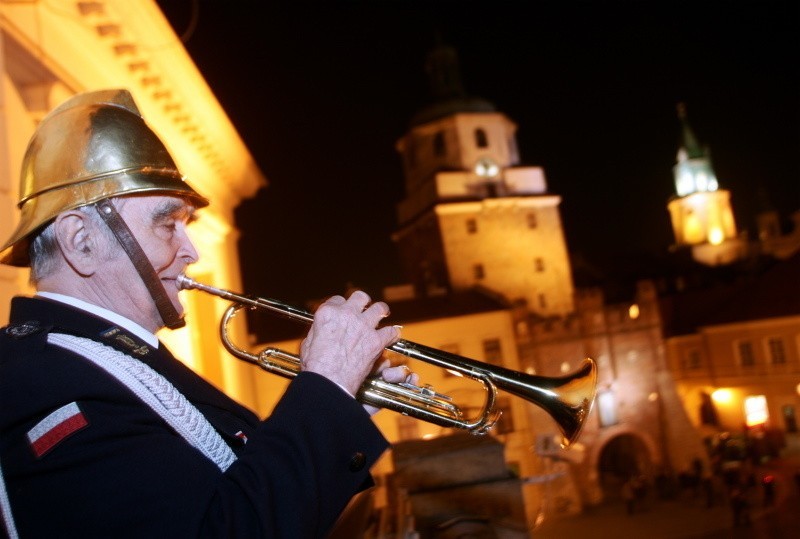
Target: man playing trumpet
103, 433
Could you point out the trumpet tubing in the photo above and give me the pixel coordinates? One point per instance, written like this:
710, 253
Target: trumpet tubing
567, 399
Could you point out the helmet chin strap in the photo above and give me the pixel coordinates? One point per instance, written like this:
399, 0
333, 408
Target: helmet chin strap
169, 315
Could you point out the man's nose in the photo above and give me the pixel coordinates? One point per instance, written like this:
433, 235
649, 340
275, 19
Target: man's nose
187, 250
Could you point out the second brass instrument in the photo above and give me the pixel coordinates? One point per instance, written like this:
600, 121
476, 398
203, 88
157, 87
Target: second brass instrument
567, 399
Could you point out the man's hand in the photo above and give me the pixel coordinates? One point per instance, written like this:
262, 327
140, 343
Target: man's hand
395, 375
343, 343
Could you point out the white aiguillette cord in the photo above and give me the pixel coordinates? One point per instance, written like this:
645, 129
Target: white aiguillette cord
5, 510
155, 391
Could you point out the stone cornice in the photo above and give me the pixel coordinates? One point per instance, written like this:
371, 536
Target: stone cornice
129, 43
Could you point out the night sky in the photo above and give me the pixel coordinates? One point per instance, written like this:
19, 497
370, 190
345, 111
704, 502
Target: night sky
321, 94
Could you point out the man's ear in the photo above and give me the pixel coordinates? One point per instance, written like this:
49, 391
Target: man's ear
77, 241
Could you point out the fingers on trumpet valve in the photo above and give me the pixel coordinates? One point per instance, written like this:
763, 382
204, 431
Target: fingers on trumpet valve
397, 374
410, 376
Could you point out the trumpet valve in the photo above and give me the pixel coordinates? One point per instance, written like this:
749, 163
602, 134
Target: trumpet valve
426, 391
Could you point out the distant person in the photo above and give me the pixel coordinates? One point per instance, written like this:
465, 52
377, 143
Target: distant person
707, 482
640, 491
740, 506
768, 488
629, 496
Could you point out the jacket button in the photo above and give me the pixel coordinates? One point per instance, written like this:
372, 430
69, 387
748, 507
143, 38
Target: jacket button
357, 462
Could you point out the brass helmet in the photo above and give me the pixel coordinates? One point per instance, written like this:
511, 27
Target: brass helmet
94, 146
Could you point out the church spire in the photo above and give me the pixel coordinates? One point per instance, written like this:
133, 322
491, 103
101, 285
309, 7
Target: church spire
689, 144
701, 214
447, 90
693, 170
443, 71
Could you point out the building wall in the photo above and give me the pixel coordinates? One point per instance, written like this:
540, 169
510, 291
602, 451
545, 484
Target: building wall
508, 238
421, 254
500, 137
713, 360
636, 394
456, 147
512, 245
697, 217
52, 50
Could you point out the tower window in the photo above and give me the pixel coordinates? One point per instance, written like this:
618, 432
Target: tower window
439, 148
532, 223
539, 263
542, 301
480, 138
477, 270
472, 226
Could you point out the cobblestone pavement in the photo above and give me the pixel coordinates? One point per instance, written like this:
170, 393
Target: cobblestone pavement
690, 518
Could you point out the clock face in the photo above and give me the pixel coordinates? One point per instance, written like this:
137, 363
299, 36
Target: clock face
487, 168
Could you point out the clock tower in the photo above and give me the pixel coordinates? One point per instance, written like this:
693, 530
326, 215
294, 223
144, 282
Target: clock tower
702, 219
473, 217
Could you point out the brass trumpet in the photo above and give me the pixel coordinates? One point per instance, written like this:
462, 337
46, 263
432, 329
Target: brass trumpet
567, 399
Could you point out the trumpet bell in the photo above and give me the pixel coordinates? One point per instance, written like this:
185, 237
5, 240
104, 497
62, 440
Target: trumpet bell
575, 399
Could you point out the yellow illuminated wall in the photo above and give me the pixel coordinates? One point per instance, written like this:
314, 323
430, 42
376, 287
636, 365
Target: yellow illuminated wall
521, 261
734, 362
702, 217
494, 226
52, 50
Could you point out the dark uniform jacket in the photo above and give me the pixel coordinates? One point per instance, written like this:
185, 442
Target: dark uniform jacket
118, 470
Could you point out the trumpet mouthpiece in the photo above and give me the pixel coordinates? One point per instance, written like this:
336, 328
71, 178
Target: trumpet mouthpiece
184, 282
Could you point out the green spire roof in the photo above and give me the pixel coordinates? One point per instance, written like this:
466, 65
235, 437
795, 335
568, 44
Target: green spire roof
688, 139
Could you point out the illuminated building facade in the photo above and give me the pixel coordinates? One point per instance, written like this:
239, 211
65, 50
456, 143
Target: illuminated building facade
473, 219
52, 50
735, 354
468, 205
471, 216
732, 338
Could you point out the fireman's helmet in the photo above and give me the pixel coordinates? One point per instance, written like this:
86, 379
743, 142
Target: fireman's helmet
96, 145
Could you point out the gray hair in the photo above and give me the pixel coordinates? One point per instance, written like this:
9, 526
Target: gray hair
44, 252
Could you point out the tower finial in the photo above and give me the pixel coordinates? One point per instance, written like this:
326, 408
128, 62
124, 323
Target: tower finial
681, 110
443, 70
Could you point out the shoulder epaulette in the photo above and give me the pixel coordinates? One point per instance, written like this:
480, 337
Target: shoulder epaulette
21, 330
